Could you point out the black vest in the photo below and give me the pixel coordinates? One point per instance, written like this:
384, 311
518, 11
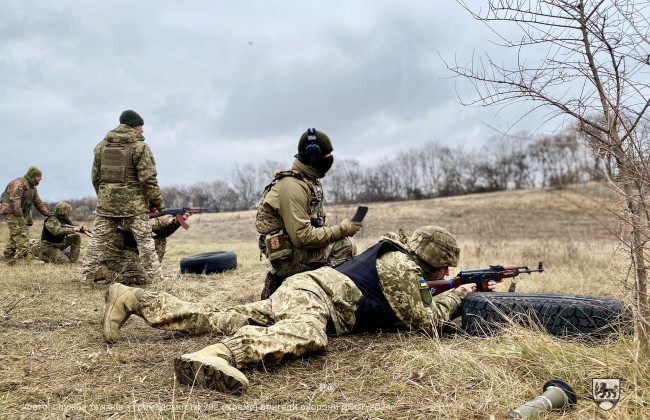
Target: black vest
374, 310
46, 235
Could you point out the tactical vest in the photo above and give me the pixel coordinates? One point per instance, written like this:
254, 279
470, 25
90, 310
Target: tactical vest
269, 221
25, 203
116, 166
46, 235
374, 310
128, 238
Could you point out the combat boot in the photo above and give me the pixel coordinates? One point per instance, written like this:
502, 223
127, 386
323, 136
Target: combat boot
212, 367
121, 302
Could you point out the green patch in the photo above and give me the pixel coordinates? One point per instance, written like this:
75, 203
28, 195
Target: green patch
425, 293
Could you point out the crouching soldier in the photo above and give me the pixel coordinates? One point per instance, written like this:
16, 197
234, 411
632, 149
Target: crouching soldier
58, 235
294, 233
121, 260
382, 287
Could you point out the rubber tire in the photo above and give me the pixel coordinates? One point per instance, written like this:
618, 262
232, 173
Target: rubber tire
560, 315
209, 262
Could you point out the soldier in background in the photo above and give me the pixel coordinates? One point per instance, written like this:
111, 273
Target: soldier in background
383, 287
56, 238
124, 177
16, 206
294, 233
121, 260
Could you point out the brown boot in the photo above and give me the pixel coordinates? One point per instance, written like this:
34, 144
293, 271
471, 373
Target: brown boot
121, 302
211, 367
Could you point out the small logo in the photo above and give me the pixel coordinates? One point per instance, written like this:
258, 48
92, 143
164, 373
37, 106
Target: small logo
606, 392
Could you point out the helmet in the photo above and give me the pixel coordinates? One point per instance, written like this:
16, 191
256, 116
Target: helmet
62, 209
434, 246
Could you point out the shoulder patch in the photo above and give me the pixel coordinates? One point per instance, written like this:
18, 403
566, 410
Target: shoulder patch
425, 293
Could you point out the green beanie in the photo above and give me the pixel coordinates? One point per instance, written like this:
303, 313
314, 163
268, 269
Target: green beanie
33, 172
321, 140
131, 118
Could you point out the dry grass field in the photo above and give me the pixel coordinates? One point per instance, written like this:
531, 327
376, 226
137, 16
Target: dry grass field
55, 364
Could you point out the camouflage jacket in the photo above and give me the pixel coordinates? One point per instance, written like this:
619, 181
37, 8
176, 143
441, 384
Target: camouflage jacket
53, 225
18, 198
400, 279
290, 204
130, 198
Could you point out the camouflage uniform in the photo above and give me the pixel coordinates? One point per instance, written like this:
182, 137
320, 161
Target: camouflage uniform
121, 260
123, 198
291, 215
55, 239
295, 320
16, 205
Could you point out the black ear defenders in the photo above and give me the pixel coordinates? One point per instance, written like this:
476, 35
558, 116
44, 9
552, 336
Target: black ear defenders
312, 151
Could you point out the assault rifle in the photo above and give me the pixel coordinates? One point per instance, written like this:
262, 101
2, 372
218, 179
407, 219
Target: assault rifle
83, 229
179, 212
481, 277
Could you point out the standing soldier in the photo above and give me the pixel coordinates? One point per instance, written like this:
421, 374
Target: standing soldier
124, 177
16, 207
291, 219
58, 235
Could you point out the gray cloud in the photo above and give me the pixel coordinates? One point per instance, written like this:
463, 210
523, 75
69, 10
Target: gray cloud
221, 83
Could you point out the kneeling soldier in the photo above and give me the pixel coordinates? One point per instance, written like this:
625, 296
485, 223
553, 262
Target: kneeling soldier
121, 260
384, 286
55, 238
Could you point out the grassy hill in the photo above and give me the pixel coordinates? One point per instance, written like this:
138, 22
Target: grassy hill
54, 362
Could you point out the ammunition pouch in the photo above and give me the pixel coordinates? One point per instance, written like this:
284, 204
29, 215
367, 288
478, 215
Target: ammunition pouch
277, 245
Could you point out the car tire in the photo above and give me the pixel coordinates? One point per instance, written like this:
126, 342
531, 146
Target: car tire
209, 262
560, 315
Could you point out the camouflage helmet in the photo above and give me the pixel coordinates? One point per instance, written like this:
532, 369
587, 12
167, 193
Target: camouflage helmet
62, 209
434, 246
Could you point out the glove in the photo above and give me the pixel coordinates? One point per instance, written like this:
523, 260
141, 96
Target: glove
350, 228
21, 221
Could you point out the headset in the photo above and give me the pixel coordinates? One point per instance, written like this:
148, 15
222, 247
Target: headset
312, 152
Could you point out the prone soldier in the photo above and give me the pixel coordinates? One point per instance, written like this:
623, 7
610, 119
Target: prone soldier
382, 287
16, 206
58, 235
291, 220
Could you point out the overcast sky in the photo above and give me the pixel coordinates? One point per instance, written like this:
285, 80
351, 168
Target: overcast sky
220, 83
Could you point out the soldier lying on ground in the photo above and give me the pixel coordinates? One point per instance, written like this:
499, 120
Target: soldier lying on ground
382, 287
16, 207
294, 233
121, 259
55, 238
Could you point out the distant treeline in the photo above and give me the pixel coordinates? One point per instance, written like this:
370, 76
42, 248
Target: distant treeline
429, 171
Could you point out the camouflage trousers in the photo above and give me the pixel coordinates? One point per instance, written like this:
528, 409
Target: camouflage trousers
18, 244
103, 229
291, 323
53, 252
302, 260
126, 271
